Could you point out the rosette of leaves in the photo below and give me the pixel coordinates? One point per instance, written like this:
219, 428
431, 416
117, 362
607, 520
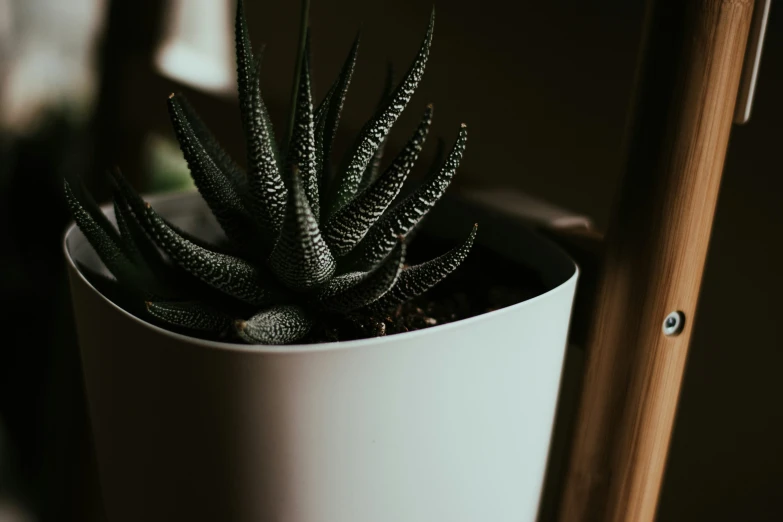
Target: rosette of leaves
304, 238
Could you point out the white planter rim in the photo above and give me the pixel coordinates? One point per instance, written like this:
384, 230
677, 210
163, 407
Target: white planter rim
290, 349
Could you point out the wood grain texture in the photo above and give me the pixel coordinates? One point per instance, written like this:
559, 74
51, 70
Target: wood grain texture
655, 255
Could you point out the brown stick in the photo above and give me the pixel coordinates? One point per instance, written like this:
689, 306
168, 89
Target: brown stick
656, 250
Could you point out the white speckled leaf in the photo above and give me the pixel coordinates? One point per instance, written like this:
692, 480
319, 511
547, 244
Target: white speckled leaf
228, 274
215, 185
376, 129
104, 239
302, 150
226, 164
333, 105
416, 280
301, 259
231, 275
373, 170
191, 315
277, 325
355, 290
319, 121
147, 256
267, 191
346, 228
401, 219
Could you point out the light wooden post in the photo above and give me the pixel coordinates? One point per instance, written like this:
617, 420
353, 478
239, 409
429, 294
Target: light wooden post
656, 248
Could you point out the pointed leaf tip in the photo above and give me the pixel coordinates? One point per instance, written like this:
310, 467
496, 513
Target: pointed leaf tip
348, 226
405, 216
375, 131
331, 109
415, 280
228, 274
301, 259
216, 176
103, 238
355, 290
267, 193
302, 149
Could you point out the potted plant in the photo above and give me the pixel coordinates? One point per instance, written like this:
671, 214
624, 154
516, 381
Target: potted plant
245, 350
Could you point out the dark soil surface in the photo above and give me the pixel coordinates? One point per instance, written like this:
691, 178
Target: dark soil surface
485, 282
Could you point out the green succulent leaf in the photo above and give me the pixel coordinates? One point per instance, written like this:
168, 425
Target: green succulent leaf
215, 151
432, 170
104, 239
127, 241
267, 191
346, 228
136, 205
319, 122
217, 189
373, 170
301, 55
415, 280
283, 324
401, 219
228, 274
334, 103
302, 150
191, 315
168, 281
352, 291
301, 259
377, 128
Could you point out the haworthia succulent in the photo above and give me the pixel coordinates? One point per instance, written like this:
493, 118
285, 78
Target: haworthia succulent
274, 260
373, 170
352, 291
301, 259
346, 228
415, 280
266, 189
405, 215
376, 129
191, 315
302, 149
218, 190
278, 325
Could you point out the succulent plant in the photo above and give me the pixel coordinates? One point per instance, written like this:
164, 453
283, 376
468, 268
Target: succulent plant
302, 237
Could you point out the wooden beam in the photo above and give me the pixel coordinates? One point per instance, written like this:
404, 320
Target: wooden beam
656, 248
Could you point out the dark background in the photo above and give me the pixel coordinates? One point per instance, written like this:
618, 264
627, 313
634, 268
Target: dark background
544, 88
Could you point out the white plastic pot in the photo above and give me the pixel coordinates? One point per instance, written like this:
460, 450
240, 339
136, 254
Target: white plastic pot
446, 424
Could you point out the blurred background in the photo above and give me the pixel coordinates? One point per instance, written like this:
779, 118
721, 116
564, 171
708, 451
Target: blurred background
544, 87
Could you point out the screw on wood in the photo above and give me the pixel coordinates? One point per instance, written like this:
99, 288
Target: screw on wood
674, 323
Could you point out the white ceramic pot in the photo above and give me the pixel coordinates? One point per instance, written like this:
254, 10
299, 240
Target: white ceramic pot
446, 424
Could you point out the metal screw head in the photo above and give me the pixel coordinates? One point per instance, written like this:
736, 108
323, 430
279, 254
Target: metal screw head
674, 323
